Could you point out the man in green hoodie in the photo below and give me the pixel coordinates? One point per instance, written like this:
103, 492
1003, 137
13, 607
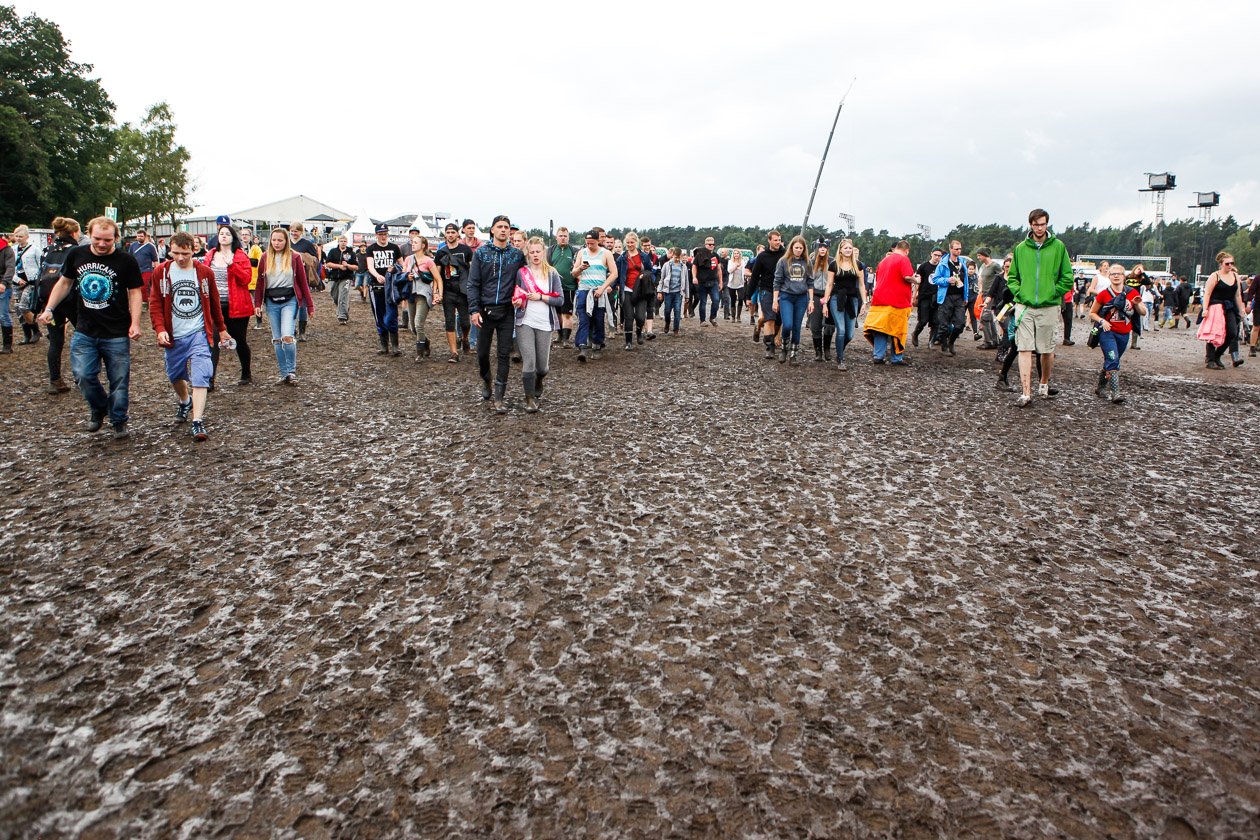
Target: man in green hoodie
1040, 275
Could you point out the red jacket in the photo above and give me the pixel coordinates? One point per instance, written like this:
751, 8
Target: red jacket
240, 272
160, 300
300, 287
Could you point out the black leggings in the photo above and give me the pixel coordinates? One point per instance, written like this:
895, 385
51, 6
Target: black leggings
56, 342
633, 314
238, 328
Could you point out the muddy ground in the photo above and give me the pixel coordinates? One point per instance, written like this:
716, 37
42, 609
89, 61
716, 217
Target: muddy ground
700, 595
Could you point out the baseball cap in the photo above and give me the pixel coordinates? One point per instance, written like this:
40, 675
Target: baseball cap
382, 228
593, 233
451, 226
223, 220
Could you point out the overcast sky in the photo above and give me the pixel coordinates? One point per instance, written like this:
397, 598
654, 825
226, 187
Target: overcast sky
651, 113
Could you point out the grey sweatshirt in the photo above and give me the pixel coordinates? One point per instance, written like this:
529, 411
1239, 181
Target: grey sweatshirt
792, 277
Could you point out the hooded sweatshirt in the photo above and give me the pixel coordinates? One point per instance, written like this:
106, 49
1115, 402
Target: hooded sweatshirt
1040, 275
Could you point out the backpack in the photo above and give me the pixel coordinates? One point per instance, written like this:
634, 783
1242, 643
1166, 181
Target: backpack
49, 273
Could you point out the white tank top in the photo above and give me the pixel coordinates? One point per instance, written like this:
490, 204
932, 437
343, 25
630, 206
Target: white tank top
595, 274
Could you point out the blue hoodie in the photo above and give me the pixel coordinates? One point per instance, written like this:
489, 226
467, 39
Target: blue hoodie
940, 278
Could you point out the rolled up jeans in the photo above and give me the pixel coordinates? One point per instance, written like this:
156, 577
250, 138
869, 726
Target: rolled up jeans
86, 357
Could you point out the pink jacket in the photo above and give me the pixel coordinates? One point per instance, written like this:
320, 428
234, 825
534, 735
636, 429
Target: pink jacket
1212, 330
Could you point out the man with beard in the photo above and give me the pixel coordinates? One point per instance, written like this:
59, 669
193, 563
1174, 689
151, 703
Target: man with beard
763, 281
453, 259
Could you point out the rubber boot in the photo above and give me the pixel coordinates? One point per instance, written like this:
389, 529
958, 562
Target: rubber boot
530, 383
783, 353
393, 343
500, 390
828, 341
26, 334
301, 330
384, 351
538, 385
1101, 386
404, 318
818, 348
770, 348
1114, 395
485, 389
7, 345
796, 355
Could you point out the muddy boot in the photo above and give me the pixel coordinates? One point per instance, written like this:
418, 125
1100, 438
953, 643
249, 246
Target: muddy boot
796, 355
393, 343
26, 334
530, 383
404, 319
818, 356
770, 348
485, 389
384, 339
1113, 395
500, 390
301, 331
1133, 345
7, 345
538, 386
1100, 387
784, 349
1251, 351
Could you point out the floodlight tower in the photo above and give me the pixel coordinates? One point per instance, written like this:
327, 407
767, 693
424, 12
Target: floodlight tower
849, 222
1160, 184
1205, 203
925, 232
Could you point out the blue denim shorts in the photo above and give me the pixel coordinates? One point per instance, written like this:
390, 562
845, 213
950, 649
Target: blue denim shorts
189, 358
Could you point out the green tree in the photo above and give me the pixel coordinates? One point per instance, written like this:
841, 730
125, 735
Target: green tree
145, 172
1245, 250
54, 122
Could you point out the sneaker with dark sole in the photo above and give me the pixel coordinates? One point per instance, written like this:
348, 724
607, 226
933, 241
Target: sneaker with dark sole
199, 430
291, 379
182, 410
1024, 401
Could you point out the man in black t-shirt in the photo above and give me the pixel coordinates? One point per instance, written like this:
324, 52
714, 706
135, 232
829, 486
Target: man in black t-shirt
707, 277
454, 258
341, 266
381, 256
108, 296
763, 267
927, 299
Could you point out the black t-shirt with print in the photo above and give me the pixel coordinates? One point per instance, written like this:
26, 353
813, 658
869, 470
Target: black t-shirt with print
706, 263
100, 285
337, 255
382, 258
454, 263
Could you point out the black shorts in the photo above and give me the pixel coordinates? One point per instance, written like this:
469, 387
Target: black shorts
566, 306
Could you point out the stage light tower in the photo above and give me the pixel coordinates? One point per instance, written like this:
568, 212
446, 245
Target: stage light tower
1160, 184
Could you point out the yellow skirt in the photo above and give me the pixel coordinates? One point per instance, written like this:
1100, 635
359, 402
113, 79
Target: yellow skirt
890, 321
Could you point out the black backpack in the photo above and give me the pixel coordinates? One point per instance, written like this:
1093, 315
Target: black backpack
49, 273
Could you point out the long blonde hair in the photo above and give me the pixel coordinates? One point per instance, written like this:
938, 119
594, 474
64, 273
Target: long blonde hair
852, 258
537, 240
285, 261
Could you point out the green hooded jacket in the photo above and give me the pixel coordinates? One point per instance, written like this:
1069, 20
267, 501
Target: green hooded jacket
1040, 275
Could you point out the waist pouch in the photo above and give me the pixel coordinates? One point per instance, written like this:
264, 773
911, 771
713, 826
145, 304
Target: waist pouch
281, 295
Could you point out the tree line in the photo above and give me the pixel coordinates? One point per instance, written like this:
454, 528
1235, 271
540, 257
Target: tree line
61, 153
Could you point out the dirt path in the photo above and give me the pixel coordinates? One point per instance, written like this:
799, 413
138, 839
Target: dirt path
699, 595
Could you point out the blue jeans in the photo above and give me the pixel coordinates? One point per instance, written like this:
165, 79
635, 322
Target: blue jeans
884, 345
86, 356
589, 326
1112, 344
713, 296
281, 317
792, 313
845, 326
671, 309
6, 320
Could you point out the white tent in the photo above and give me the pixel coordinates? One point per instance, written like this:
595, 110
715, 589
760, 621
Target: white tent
362, 224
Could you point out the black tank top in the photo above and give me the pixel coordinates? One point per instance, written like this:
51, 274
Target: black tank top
1223, 292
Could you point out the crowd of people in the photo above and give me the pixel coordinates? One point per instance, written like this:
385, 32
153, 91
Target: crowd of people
516, 298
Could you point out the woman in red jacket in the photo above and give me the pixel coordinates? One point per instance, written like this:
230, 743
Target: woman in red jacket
232, 273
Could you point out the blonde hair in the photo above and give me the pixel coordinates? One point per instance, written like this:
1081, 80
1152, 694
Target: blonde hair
537, 240
21, 230
851, 259
631, 235
285, 261
102, 222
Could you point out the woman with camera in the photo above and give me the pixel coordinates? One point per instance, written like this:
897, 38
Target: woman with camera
1113, 310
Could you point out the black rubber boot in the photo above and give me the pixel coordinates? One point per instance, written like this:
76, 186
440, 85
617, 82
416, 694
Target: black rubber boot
26, 334
796, 355
384, 339
818, 348
1101, 385
485, 389
770, 348
7, 345
530, 382
500, 390
538, 385
783, 353
393, 343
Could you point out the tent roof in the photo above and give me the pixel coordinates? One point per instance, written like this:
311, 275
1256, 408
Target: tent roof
298, 208
362, 224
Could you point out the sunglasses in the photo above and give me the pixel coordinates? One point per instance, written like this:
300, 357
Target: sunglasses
1228, 264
